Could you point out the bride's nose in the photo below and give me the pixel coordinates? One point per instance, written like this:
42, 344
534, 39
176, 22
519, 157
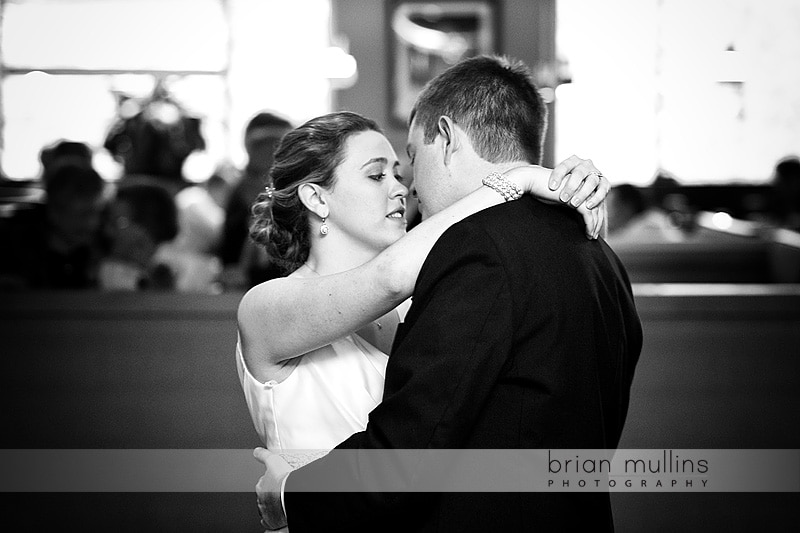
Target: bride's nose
398, 190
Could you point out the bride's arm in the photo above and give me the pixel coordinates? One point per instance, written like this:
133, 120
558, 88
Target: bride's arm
286, 317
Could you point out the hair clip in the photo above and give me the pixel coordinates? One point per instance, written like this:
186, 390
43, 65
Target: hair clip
270, 191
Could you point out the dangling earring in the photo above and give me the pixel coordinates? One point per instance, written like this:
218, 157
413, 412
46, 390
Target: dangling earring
323, 229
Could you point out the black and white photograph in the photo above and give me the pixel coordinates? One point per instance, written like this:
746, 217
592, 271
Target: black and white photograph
400, 265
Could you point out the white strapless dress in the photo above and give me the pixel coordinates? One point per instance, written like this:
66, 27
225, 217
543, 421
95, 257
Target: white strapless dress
326, 398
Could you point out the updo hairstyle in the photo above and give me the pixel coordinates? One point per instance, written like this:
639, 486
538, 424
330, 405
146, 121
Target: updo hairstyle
308, 154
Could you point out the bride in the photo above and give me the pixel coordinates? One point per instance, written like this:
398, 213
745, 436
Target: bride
312, 347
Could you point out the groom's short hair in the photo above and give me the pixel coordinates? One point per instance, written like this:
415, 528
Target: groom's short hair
492, 98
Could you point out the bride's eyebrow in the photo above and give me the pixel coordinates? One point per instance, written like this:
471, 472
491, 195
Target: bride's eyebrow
381, 160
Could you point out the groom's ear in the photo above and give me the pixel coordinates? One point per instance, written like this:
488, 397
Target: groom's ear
450, 141
313, 197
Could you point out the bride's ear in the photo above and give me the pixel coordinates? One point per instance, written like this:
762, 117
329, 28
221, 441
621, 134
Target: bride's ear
313, 197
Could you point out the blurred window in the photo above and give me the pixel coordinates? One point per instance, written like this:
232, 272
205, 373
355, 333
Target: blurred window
705, 90
66, 65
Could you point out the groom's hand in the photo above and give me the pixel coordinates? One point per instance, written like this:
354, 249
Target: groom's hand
268, 488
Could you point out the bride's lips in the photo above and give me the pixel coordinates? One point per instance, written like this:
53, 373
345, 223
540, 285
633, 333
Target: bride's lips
394, 214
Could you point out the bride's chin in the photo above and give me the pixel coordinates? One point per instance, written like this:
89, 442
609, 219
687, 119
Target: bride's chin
395, 238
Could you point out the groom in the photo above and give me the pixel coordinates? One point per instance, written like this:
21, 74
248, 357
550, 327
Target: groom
522, 334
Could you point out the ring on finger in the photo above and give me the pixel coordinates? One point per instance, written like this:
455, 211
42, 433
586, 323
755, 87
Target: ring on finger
595, 173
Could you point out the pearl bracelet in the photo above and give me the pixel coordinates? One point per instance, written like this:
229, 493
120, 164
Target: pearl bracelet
500, 183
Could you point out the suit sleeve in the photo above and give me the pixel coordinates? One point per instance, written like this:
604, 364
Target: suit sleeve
448, 356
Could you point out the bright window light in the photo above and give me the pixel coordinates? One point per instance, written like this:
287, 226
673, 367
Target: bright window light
705, 91
67, 62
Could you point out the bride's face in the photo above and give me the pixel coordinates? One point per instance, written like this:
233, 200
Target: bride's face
367, 200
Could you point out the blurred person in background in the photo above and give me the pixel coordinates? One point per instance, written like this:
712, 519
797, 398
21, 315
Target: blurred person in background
219, 190
786, 190
191, 254
246, 265
625, 203
154, 136
631, 218
64, 152
142, 216
57, 244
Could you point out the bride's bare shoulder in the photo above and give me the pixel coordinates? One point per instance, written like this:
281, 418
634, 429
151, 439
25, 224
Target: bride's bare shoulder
267, 293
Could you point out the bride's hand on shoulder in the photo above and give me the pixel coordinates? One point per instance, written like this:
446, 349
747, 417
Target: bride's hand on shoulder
575, 182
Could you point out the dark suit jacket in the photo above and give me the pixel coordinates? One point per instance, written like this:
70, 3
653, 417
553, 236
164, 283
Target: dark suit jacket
522, 334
